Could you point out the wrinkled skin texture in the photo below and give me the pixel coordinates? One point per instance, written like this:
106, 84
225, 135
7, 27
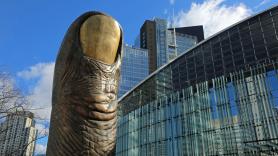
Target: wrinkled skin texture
84, 106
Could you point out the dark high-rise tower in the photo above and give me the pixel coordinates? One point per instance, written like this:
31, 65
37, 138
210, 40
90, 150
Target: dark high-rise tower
148, 41
165, 44
197, 31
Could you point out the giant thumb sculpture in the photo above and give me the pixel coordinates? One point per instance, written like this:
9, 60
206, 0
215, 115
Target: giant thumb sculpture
84, 105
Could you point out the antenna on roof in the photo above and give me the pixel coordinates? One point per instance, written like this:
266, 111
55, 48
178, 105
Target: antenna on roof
174, 29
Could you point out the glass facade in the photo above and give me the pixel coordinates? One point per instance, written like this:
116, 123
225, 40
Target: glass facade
134, 68
169, 44
161, 41
163, 46
183, 42
137, 41
218, 98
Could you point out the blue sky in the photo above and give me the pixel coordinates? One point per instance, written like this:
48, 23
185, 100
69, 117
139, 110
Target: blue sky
31, 32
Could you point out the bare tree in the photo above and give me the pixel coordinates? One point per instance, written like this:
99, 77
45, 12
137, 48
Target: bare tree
20, 151
13, 102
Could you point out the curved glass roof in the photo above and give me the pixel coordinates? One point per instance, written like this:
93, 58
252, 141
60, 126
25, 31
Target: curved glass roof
218, 55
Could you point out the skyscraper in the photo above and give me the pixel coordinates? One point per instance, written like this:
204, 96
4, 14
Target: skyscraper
148, 41
134, 68
218, 98
197, 31
18, 134
178, 43
164, 43
137, 41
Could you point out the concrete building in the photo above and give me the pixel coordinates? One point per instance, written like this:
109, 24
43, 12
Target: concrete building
18, 134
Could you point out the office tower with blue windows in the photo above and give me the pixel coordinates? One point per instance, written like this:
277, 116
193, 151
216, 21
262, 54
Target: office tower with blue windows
137, 42
178, 43
164, 44
161, 41
218, 98
134, 68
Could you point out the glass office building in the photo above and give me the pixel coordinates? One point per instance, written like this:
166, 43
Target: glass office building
161, 41
164, 44
178, 43
170, 44
218, 98
134, 68
137, 41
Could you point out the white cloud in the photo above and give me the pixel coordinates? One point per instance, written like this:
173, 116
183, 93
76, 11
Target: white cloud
43, 130
172, 2
40, 149
40, 94
8, 93
40, 97
214, 15
263, 2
